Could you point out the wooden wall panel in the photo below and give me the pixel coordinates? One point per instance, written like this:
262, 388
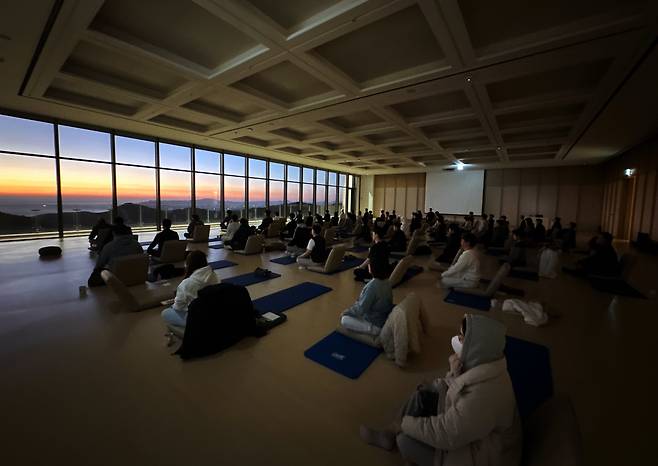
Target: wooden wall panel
529, 192
548, 194
402, 193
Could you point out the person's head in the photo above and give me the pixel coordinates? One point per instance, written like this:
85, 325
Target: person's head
378, 267
491, 216
292, 216
479, 340
118, 221
166, 224
101, 222
397, 225
317, 230
453, 228
234, 217
244, 222
268, 213
308, 221
528, 221
195, 217
376, 235
431, 209
121, 230
194, 261
604, 239
468, 241
470, 213
539, 221
229, 212
519, 234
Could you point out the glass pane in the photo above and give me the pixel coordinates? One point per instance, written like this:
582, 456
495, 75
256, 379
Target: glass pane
134, 151
320, 177
208, 197
29, 136
234, 195
332, 178
172, 156
86, 194
206, 161
293, 173
308, 175
136, 195
293, 197
257, 168
350, 179
28, 194
331, 199
342, 179
233, 165
276, 171
319, 199
256, 199
342, 199
307, 199
276, 198
85, 144
175, 196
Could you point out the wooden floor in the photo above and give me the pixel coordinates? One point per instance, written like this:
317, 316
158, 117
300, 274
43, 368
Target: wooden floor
83, 383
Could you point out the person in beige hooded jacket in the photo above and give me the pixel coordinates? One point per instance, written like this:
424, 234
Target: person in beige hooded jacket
467, 418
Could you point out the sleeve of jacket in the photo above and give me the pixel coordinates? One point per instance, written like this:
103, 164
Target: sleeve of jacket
461, 265
463, 423
181, 300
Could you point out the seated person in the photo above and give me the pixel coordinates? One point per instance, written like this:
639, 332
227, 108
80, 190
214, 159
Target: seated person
300, 238
198, 275
517, 254
267, 221
316, 249
122, 244
227, 219
500, 234
327, 216
190, 228
602, 260
453, 243
465, 270
556, 228
568, 236
100, 235
540, 231
167, 234
378, 251
416, 223
118, 222
468, 417
231, 228
369, 313
398, 243
335, 219
289, 229
239, 240
481, 227
365, 235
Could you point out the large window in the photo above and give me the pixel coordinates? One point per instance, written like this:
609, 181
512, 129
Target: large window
86, 194
136, 197
234, 190
28, 194
176, 196
102, 175
208, 197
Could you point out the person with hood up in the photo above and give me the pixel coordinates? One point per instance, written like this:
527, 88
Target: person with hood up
467, 418
198, 275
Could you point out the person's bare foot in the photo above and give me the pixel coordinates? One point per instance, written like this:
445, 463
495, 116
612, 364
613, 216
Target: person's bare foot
379, 438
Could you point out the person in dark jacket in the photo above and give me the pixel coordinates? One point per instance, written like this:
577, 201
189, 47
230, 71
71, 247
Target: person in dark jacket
167, 234
289, 229
122, 244
300, 238
100, 235
227, 219
517, 254
398, 243
240, 237
316, 250
540, 231
193, 224
452, 245
266, 222
379, 251
603, 259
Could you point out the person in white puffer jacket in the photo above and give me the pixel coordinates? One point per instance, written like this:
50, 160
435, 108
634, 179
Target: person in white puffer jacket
198, 275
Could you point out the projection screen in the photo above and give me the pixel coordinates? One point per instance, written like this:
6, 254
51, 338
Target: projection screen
455, 192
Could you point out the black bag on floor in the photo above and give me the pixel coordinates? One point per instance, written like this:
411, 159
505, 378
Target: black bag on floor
218, 318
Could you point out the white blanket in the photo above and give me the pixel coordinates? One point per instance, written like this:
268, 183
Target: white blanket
532, 312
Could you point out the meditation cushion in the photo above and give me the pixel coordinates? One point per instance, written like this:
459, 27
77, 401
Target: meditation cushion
50, 251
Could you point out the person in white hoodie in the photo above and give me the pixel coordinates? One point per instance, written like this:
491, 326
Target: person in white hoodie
465, 269
232, 227
198, 275
467, 418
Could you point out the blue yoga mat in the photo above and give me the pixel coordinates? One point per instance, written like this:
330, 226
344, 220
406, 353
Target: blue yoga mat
249, 279
221, 264
216, 246
284, 260
359, 249
481, 303
529, 367
290, 297
342, 354
410, 273
347, 264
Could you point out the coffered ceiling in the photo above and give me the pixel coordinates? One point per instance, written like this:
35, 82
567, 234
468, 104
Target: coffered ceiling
362, 86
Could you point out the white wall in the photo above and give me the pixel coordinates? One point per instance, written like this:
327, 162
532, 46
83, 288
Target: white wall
367, 192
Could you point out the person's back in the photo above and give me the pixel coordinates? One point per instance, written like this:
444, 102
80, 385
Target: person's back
301, 236
319, 252
122, 245
241, 235
374, 304
604, 261
398, 243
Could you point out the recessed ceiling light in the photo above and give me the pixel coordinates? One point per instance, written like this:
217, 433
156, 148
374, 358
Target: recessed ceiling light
499, 148
468, 79
459, 165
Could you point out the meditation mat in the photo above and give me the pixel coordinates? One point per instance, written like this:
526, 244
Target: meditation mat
216, 246
221, 264
410, 273
529, 367
290, 297
481, 303
615, 286
524, 274
342, 354
144, 243
359, 249
504, 288
214, 240
346, 264
284, 260
249, 279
